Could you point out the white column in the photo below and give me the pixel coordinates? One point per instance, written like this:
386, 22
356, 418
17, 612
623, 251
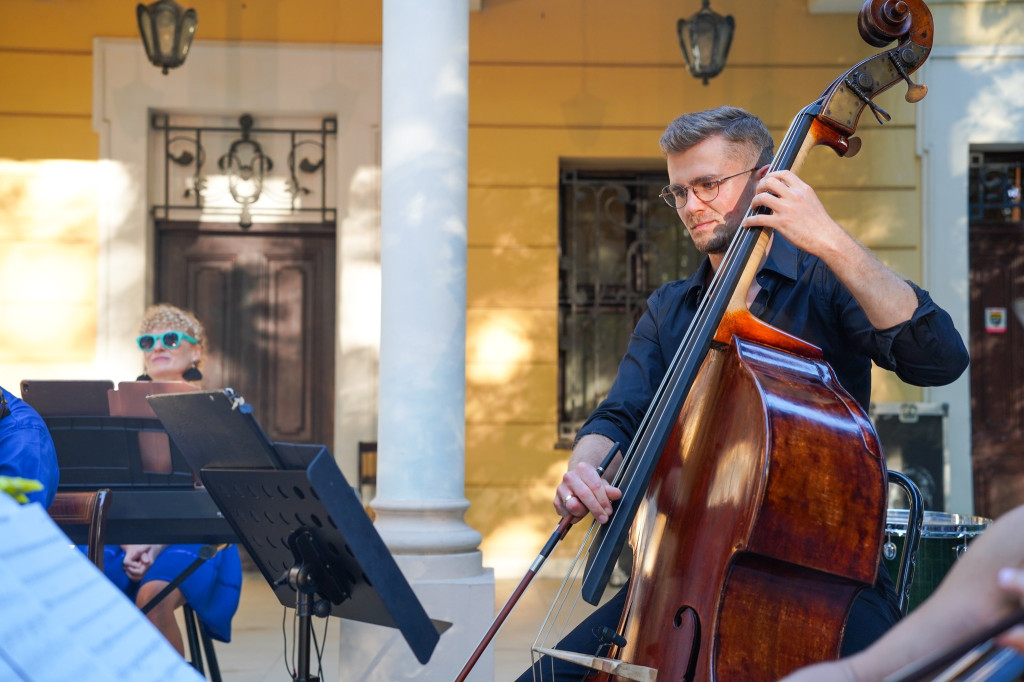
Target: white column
420, 501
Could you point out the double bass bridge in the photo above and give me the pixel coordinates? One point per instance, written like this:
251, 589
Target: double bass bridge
621, 669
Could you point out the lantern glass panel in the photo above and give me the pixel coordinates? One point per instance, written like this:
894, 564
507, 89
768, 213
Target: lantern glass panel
166, 22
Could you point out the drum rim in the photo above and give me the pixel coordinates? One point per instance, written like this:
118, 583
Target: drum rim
937, 524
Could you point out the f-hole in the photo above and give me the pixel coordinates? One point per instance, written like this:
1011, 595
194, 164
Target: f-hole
687, 618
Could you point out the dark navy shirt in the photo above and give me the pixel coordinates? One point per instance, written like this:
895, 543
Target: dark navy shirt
26, 449
800, 295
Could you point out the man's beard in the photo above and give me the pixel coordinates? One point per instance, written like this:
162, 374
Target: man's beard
718, 242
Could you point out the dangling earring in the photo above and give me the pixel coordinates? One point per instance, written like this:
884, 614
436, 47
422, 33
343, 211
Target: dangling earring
192, 373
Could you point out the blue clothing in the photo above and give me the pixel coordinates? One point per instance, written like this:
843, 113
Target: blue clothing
26, 448
212, 591
800, 295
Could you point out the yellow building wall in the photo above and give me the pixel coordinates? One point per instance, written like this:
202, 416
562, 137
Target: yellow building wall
592, 81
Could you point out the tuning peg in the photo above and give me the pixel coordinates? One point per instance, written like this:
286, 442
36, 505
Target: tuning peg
915, 92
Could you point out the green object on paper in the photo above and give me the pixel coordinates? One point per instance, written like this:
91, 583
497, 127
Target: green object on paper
17, 487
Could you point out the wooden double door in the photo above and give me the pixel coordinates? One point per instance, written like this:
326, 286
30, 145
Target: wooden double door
266, 296
997, 365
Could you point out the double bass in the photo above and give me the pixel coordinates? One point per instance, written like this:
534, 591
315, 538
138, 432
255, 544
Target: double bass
754, 491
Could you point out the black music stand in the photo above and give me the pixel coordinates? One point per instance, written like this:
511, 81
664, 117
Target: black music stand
306, 531
308, 534
104, 452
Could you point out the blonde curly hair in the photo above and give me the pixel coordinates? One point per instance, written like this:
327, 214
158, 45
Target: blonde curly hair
167, 316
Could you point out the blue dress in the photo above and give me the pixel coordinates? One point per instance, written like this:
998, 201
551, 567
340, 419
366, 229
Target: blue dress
212, 591
26, 448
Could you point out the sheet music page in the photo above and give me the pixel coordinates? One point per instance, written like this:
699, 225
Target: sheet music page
62, 619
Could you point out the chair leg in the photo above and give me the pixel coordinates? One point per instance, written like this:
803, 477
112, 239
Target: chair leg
211, 656
192, 633
198, 643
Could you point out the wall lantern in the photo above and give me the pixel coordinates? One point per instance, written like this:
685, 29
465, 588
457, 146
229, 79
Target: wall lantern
167, 32
705, 39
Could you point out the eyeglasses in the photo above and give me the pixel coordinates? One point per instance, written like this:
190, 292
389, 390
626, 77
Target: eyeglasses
147, 342
706, 190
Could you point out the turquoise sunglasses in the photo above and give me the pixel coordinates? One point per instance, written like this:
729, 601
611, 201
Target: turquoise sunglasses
147, 342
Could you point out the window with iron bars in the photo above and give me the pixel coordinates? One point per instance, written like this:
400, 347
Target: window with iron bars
995, 181
618, 243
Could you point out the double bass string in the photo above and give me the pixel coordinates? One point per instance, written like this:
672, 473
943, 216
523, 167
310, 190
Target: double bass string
557, 621
655, 428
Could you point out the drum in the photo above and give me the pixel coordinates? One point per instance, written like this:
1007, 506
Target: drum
944, 537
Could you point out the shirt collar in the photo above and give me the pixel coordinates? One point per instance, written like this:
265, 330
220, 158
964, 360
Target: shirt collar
782, 259
697, 281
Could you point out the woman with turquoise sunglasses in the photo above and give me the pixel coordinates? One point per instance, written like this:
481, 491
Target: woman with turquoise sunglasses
172, 342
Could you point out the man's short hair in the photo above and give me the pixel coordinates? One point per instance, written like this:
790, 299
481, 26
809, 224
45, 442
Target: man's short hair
732, 123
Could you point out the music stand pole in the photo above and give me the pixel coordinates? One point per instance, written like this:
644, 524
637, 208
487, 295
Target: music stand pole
303, 606
302, 578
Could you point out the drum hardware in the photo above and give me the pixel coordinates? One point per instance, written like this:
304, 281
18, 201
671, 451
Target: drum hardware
944, 538
904, 576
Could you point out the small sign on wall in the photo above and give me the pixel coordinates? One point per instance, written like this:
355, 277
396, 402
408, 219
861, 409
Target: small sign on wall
995, 320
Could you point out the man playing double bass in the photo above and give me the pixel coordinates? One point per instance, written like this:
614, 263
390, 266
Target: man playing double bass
815, 282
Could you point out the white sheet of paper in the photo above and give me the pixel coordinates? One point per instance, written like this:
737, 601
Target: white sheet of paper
62, 619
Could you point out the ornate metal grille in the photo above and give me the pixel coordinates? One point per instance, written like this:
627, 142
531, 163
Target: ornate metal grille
247, 179
619, 242
994, 185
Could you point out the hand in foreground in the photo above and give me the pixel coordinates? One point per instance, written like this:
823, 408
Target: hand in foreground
138, 559
1012, 581
583, 491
